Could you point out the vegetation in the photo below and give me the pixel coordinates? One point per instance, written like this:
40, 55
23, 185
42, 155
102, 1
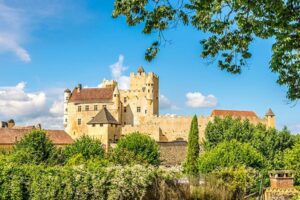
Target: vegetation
191, 166
231, 26
36, 148
136, 148
292, 161
86, 148
231, 154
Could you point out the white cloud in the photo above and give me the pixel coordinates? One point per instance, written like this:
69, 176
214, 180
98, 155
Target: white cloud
165, 103
198, 100
30, 108
11, 23
19, 18
117, 70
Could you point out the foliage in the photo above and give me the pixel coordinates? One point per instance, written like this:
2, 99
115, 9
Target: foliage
239, 180
89, 182
269, 142
227, 129
191, 166
292, 161
86, 147
35, 148
139, 147
232, 27
230, 154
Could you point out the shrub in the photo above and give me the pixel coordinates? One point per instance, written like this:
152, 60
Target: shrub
35, 148
230, 154
190, 165
136, 147
292, 161
86, 147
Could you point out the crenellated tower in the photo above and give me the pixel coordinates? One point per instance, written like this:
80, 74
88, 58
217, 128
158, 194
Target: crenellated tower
270, 117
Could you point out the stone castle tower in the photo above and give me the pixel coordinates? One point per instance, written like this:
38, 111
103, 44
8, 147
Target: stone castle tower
102, 112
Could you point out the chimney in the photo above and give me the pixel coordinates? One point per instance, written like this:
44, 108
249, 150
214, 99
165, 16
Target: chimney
10, 123
79, 87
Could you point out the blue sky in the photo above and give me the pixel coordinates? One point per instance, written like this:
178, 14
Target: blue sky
47, 46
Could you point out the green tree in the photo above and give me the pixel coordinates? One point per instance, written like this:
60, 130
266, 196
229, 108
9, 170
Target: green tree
35, 148
231, 154
231, 26
84, 148
227, 129
292, 161
191, 163
136, 147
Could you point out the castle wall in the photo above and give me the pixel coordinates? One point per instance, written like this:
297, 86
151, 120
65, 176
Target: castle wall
73, 128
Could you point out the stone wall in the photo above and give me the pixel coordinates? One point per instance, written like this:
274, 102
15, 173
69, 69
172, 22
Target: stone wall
172, 153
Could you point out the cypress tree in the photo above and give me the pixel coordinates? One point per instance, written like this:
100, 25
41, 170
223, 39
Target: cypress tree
191, 162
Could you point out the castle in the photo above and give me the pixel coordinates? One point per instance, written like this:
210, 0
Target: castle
107, 112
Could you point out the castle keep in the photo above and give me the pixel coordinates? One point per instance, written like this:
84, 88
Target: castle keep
107, 112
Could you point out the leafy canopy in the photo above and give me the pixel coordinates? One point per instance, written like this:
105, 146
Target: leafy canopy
292, 161
232, 26
136, 147
191, 166
84, 148
35, 148
230, 154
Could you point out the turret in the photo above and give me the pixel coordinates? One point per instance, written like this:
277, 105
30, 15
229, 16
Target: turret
270, 117
67, 94
116, 96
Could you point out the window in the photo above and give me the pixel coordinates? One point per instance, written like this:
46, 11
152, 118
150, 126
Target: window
87, 108
143, 89
112, 125
79, 108
124, 123
125, 99
138, 109
67, 98
66, 120
145, 111
79, 121
95, 107
104, 106
125, 109
93, 125
101, 125
66, 109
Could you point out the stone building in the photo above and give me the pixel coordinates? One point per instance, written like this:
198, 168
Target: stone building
108, 112
10, 134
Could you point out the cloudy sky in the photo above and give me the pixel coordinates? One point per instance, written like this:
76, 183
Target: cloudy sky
47, 46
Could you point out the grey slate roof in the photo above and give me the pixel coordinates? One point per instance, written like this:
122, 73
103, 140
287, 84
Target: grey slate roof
270, 113
103, 117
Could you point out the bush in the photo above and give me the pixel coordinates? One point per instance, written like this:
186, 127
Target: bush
35, 148
292, 161
85, 146
138, 148
86, 182
230, 154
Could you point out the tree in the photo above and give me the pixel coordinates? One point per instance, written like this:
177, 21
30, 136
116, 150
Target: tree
35, 148
191, 163
292, 161
136, 147
84, 148
227, 129
231, 154
232, 26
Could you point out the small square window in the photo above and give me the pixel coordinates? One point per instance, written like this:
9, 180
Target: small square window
79, 121
138, 109
66, 120
79, 108
93, 125
101, 125
104, 106
125, 109
125, 99
95, 107
87, 108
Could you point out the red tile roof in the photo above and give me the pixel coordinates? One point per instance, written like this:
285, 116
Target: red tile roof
91, 95
233, 113
11, 136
